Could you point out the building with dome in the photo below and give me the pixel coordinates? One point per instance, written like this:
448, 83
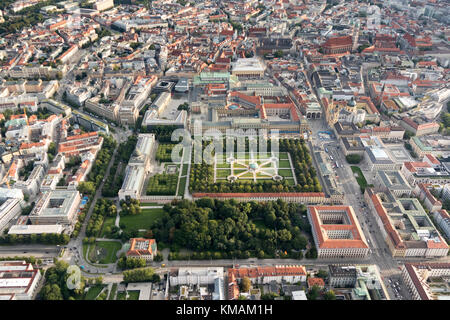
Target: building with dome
355, 110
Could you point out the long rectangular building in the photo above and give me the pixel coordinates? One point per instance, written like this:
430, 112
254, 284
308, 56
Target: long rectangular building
18, 280
77, 144
264, 275
9, 210
138, 167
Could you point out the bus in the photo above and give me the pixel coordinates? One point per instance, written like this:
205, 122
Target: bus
326, 150
337, 164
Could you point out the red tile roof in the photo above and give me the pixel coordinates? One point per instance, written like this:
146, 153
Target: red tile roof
315, 282
358, 239
133, 251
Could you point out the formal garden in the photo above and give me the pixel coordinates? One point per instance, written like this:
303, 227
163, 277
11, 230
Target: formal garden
253, 167
162, 184
164, 152
290, 170
166, 183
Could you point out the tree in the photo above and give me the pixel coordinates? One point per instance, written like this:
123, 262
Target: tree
51, 292
278, 54
362, 47
313, 293
86, 187
322, 274
135, 45
408, 134
183, 106
246, 284
138, 275
446, 204
329, 295
353, 158
156, 278
52, 149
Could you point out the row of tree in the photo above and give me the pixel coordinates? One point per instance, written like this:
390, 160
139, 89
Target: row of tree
163, 133
78, 224
44, 238
101, 162
125, 263
235, 254
131, 207
140, 275
103, 208
114, 182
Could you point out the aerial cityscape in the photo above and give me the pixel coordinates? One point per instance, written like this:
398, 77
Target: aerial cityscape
254, 150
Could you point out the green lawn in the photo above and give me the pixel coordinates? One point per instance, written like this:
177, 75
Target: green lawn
85, 249
108, 222
93, 292
238, 166
237, 171
113, 291
223, 173
247, 175
283, 156
267, 165
222, 165
285, 173
284, 164
182, 186
185, 169
105, 252
359, 178
132, 295
144, 220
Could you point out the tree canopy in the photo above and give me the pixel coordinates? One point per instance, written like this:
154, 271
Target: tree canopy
229, 227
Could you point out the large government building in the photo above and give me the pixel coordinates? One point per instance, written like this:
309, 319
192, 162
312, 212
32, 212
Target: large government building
336, 232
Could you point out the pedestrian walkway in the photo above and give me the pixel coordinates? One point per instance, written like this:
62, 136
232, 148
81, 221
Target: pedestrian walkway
151, 207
